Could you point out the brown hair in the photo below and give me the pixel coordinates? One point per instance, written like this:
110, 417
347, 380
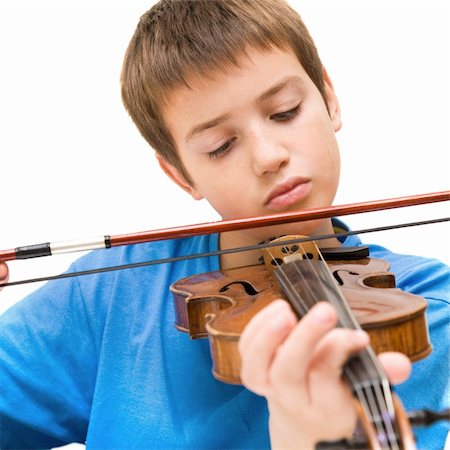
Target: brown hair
178, 39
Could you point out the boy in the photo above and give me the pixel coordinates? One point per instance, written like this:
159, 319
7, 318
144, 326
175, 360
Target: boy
229, 94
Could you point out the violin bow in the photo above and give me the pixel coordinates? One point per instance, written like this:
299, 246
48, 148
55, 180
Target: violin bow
105, 242
48, 248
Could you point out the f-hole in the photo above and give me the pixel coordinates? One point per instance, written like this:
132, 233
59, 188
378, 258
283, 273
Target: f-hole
338, 278
248, 288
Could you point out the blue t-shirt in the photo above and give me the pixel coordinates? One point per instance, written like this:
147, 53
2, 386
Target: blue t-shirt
97, 359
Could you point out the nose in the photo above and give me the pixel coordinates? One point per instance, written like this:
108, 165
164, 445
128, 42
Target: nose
268, 154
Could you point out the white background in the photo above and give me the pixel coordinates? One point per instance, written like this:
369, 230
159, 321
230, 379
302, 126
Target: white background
72, 164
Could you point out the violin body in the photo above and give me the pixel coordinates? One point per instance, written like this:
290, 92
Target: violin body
219, 304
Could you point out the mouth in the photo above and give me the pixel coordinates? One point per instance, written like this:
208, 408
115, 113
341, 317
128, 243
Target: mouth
287, 193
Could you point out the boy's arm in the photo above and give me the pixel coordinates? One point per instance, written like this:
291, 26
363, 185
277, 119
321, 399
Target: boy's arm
297, 366
47, 365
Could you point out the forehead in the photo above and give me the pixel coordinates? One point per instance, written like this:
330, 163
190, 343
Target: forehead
259, 76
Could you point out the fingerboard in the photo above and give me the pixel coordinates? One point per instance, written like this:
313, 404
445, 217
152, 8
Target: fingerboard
307, 282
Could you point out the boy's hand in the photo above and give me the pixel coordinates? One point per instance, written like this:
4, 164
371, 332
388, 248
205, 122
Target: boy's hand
3, 272
297, 366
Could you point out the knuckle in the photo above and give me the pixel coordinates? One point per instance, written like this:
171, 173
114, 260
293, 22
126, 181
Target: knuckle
281, 374
277, 378
254, 380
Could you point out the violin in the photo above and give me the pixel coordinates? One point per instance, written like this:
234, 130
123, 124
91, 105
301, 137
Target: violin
219, 304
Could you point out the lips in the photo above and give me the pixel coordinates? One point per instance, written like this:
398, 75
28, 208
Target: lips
287, 193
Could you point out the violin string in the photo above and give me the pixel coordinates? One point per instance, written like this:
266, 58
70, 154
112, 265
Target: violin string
370, 363
380, 403
384, 395
300, 302
377, 376
219, 252
374, 411
380, 407
368, 358
301, 306
365, 395
373, 405
365, 401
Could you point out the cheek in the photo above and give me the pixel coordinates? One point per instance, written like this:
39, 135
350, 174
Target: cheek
224, 184
328, 167
314, 130
323, 151
326, 144
229, 207
224, 193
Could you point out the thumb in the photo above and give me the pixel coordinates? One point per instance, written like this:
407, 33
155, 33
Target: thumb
396, 365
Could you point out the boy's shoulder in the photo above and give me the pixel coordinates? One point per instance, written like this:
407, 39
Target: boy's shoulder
424, 276
428, 277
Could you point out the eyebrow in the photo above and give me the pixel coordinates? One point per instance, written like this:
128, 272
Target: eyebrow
206, 125
295, 81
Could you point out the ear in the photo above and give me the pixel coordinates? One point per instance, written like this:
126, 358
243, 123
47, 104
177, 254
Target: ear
334, 109
178, 178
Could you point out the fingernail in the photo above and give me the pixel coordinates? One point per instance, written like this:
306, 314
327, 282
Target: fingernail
323, 314
280, 320
362, 337
278, 305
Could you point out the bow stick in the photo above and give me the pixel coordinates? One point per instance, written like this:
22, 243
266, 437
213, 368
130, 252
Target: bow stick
48, 248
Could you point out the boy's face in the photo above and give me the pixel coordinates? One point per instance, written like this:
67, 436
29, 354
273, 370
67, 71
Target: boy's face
257, 139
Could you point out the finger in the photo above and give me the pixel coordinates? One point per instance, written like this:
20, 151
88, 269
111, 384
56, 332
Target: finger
396, 365
3, 272
292, 359
260, 341
274, 309
336, 348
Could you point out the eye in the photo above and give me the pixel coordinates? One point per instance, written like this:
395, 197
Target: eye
222, 150
286, 115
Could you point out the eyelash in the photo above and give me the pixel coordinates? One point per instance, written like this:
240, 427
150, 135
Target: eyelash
284, 116
287, 115
222, 150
